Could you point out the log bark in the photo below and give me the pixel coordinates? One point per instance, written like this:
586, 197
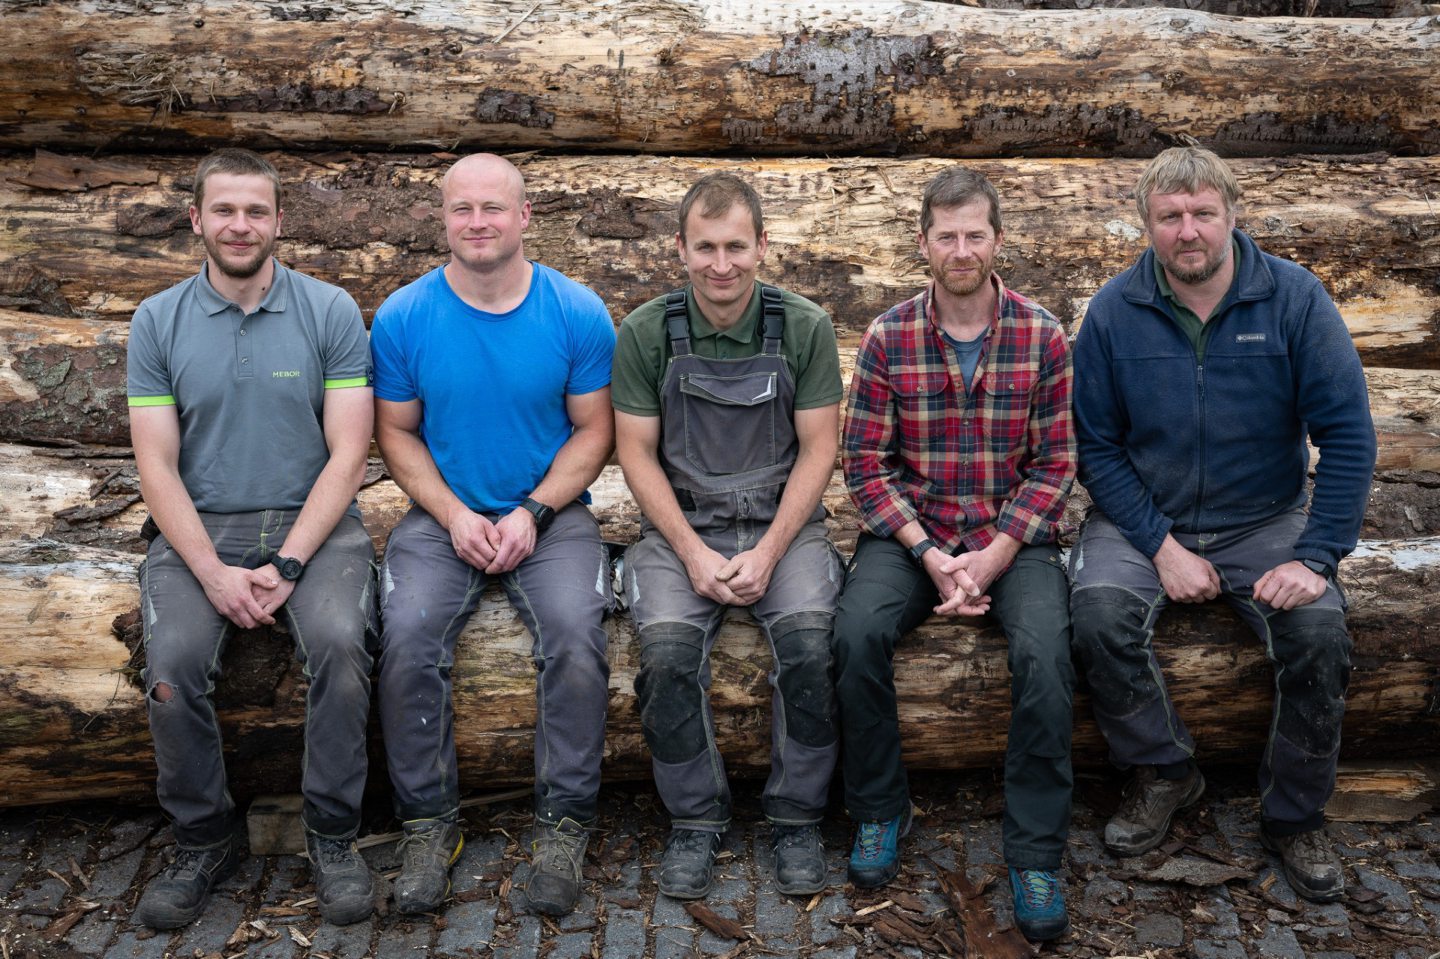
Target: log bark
1230, 8
72, 718
779, 77
842, 231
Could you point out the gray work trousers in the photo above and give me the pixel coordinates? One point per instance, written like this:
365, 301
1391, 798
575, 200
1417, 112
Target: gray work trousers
328, 615
886, 595
678, 628
562, 593
1116, 601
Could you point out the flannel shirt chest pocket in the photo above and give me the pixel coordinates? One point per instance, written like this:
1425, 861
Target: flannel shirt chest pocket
923, 402
1005, 399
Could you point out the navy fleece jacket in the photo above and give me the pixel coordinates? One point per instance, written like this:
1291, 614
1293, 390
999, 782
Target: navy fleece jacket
1166, 442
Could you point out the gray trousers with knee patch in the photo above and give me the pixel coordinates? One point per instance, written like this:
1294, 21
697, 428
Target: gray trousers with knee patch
678, 630
1116, 600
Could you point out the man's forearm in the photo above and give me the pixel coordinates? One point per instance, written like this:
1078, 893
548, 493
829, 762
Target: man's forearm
174, 513
803, 490
413, 469
656, 499
577, 464
329, 498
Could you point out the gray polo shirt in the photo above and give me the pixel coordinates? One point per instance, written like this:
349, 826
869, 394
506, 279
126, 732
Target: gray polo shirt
249, 390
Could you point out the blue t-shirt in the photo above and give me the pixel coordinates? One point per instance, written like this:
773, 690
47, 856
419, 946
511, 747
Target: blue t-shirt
967, 354
492, 385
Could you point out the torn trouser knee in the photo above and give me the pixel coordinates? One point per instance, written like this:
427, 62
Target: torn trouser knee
1310, 650
1112, 632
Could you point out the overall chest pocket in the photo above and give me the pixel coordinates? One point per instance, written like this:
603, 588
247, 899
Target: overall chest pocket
731, 422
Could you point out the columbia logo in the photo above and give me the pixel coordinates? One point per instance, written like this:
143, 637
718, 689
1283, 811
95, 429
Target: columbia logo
285, 374
1249, 337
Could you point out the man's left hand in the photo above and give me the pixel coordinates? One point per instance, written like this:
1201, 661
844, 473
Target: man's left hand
273, 597
517, 540
748, 574
973, 573
1289, 585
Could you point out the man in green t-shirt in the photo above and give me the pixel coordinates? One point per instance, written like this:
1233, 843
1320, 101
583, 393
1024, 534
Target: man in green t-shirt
727, 398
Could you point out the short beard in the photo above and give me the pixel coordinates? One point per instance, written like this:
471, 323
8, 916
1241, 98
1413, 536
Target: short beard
239, 271
1195, 277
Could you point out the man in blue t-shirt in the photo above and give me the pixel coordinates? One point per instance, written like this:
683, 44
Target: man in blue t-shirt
492, 387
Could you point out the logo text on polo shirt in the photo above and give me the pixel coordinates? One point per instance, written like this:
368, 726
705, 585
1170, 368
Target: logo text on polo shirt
285, 374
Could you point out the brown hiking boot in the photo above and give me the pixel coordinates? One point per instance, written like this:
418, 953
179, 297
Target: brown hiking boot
1310, 862
1143, 819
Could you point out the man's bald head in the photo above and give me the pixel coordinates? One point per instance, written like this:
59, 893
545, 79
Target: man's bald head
484, 165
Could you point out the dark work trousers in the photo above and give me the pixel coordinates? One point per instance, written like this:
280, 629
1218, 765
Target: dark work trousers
328, 614
678, 628
1116, 602
562, 593
886, 595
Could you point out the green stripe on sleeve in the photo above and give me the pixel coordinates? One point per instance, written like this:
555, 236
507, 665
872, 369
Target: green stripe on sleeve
346, 384
152, 401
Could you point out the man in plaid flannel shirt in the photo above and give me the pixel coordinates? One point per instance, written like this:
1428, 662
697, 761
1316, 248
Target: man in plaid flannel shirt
959, 452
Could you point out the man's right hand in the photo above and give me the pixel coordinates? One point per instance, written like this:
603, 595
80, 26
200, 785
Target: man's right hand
230, 590
703, 568
1186, 578
474, 537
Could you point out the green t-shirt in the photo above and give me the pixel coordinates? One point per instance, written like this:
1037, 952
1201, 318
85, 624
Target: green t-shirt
1195, 328
642, 351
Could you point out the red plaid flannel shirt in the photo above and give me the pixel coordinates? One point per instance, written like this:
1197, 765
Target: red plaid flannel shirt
918, 446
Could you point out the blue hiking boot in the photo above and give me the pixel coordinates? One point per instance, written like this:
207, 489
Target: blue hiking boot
1039, 904
875, 857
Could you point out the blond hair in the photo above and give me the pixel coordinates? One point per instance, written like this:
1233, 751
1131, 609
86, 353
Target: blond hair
1186, 170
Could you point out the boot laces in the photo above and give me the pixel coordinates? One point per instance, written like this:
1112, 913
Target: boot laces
870, 839
560, 851
1038, 887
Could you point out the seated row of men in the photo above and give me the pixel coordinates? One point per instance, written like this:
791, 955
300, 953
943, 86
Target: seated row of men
500, 389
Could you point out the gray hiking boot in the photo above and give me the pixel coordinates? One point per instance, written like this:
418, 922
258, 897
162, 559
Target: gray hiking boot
344, 890
1310, 863
559, 852
429, 848
1150, 803
176, 897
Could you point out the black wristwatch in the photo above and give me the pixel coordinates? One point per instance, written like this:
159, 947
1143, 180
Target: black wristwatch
918, 551
544, 515
288, 568
1319, 567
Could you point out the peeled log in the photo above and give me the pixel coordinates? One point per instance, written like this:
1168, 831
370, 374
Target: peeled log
778, 77
95, 239
72, 718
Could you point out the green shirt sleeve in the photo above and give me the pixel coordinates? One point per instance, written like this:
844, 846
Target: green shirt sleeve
639, 361
817, 359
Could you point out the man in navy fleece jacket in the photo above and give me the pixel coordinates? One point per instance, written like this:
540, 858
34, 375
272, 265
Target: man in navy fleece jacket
1199, 373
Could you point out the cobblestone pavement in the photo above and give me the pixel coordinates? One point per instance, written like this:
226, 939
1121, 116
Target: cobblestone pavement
69, 877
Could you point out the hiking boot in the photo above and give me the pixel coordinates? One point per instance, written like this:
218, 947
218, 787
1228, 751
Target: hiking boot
429, 848
343, 888
559, 850
1039, 904
176, 897
688, 867
1143, 819
799, 859
875, 857
1310, 862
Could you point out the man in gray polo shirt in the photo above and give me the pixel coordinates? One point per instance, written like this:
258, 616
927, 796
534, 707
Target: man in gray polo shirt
250, 415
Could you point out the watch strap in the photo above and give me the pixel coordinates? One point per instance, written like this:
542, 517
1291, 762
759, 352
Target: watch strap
918, 551
1319, 567
544, 515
